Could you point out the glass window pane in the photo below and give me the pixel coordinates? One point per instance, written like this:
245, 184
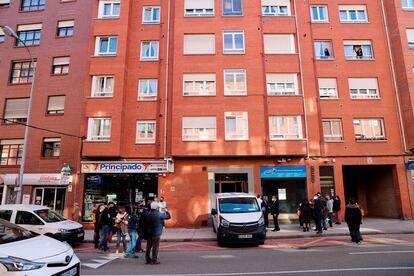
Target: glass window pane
113, 45
116, 9
228, 41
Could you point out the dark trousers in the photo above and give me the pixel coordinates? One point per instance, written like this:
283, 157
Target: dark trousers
330, 217
96, 235
153, 244
318, 223
354, 232
266, 219
276, 222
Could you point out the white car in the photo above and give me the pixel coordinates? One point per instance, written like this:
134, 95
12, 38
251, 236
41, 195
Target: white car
42, 220
25, 253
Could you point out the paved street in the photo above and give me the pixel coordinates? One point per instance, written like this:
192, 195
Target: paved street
377, 255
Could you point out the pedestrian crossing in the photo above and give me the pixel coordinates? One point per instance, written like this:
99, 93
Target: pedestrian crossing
96, 263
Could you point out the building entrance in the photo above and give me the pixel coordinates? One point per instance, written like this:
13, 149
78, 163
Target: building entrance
373, 188
231, 183
52, 197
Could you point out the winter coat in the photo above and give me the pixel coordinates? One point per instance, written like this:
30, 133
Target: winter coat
353, 215
274, 208
134, 222
121, 222
329, 205
318, 208
305, 213
154, 222
106, 219
337, 205
265, 207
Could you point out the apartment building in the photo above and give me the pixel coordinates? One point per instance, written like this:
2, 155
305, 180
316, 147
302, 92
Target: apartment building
56, 33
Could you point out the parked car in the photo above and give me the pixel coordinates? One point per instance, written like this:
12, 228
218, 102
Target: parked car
42, 220
237, 218
26, 253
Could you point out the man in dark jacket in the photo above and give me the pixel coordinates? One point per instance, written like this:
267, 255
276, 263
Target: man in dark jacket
106, 222
318, 213
153, 223
353, 217
265, 210
274, 211
134, 221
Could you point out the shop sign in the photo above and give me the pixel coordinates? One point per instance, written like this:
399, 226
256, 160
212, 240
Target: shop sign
283, 172
94, 179
36, 179
124, 167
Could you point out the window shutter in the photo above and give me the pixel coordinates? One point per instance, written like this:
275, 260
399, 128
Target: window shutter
352, 7
199, 44
51, 140
4, 1
16, 108
363, 83
281, 78
199, 122
327, 83
29, 27
275, 2
199, 77
12, 142
67, 23
410, 35
198, 4
279, 44
357, 42
61, 61
56, 103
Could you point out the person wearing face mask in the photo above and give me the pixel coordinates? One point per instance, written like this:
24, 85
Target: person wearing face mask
318, 213
274, 211
265, 210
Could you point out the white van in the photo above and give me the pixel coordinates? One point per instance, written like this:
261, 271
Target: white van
237, 218
42, 220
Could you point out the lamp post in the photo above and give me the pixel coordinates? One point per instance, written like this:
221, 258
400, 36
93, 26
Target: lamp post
9, 32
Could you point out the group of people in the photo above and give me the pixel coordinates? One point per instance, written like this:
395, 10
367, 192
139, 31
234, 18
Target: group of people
142, 222
271, 208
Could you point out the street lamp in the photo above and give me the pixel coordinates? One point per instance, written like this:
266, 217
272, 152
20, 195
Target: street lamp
9, 32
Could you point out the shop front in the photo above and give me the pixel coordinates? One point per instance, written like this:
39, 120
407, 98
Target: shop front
126, 183
288, 183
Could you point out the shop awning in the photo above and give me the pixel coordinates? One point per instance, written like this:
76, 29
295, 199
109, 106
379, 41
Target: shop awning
34, 179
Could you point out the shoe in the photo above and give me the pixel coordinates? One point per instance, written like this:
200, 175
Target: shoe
274, 230
304, 229
155, 262
148, 262
325, 228
142, 251
337, 223
319, 232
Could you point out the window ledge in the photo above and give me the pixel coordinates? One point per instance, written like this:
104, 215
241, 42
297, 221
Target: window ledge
90, 97
287, 96
224, 53
40, 10
373, 99
371, 141
107, 18
50, 158
275, 139
150, 59
324, 59
198, 96
103, 56
95, 141
360, 59
342, 141
151, 23
62, 36
54, 115
9, 166
354, 22
199, 16
408, 9
196, 55
236, 95
17, 46
236, 140
320, 22
147, 100
186, 141
59, 75
329, 99
26, 83
145, 143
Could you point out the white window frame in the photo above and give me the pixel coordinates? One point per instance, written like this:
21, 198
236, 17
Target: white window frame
102, 94
234, 73
198, 12
98, 41
99, 137
150, 58
201, 134
275, 89
408, 5
112, 3
364, 93
329, 46
147, 139
233, 13
362, 45
203, 92
285, 136
332, 137
240, 117
348, 16
318, 20
410, 42
151, 21
276, 10
233, 50
327, 93
369, 138
146, 96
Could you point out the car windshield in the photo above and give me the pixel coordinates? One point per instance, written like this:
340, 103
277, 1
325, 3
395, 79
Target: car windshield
238, 205
12, 233
49, 216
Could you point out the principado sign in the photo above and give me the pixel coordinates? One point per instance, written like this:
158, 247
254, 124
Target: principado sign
126, 167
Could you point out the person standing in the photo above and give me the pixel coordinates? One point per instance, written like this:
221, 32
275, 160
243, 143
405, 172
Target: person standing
153, 224
318, 213
134, 221
76, 213
353, 217
95, 219
121, 226
259, 199
141, 211
337, 210
265, 210
329, 205
305, 214
106, 222
274, 211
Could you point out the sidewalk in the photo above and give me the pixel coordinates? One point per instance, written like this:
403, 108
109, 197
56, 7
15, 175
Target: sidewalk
370, 226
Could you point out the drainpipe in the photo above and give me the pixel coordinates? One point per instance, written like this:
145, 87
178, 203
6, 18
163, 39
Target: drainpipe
167, 63
301, 81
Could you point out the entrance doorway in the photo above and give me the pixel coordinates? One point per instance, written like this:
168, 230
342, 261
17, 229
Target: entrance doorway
373, 188
52, 197
290, 192
231, 183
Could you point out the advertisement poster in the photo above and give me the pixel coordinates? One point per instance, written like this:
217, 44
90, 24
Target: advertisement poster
282, 194
26, 199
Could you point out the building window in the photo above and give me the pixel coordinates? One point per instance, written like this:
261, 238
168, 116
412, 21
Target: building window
408, 4
232, 7
106, 45
323, 50
358, 50
60, 65
199, 8
282, 84
11, 152
319, 13
353, 14
147, 90
151, 15
278, 44
65, 28
102, 86
199, 129
233, 42
332, 130
328, 88
56, 105
2, 35
203, 44
149, 50
99, 129
363, 88
285, 127
28, 34
145, 132
327, 180
4, 3
410, 38
22, 72
199, 85
236, 126
51, 147
109, 9
32, 5
369, 129
235, 82
275, 7
16, 110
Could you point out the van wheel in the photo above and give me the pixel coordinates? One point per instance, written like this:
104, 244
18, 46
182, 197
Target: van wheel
220, 243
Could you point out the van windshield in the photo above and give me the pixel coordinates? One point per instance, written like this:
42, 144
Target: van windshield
238, 205
49, 216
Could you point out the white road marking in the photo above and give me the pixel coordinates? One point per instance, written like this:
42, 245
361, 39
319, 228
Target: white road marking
381, 252
402, 268
97, 263
217, 256
296, 250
